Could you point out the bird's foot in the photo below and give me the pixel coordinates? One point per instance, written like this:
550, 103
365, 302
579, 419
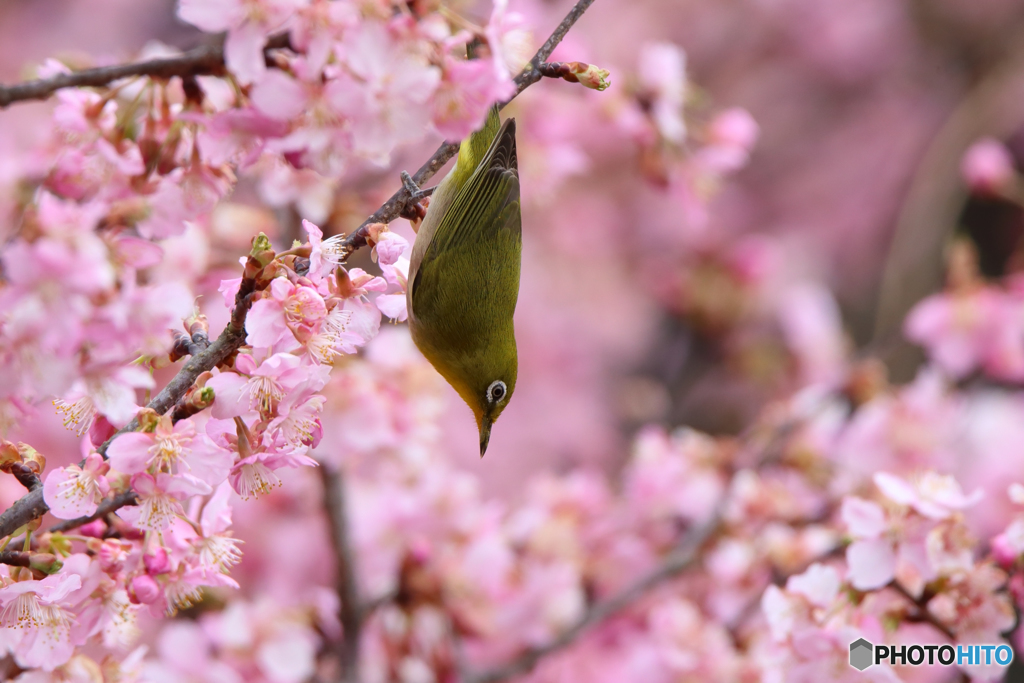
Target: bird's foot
416, 193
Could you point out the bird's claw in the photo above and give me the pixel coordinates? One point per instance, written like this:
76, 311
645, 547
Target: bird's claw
410, 185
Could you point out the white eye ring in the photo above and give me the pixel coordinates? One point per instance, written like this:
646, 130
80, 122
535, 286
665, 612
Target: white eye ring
497, 391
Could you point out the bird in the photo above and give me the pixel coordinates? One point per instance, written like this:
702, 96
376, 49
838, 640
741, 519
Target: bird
464, 273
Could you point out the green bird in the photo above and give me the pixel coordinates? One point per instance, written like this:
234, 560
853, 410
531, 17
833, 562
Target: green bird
464, 273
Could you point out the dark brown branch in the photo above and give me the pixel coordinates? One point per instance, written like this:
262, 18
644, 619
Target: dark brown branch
208, 59
350, 610
106, 507
399, 202
15, 558
25, 476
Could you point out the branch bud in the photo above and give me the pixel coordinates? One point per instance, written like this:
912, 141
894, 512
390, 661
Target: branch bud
587, 75
148, 419
31, 458
45, 563
198, 328
196, 399
9, 455
262, 251
179, 347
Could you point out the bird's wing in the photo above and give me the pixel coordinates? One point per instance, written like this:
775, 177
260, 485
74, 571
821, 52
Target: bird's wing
486, 209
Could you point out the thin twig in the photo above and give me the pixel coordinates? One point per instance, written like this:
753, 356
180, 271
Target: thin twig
350, 612
105, 508
923, 614
208, 59
399, 201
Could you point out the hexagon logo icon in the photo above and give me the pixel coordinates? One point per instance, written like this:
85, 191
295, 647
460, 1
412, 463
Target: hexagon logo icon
861, 654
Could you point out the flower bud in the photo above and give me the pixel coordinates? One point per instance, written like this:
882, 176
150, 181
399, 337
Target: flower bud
111, 555
963, 272
262, 251
157, 562
45, 563
143, 589
866, 380
245, 438
987, 167
1003, 552
93, 529
203, 397
101, 430
590, 76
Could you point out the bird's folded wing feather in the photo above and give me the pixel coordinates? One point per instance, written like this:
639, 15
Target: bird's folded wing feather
485, 210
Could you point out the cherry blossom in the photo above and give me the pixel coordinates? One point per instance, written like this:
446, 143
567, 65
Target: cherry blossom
248, 24
77, 491
173, 449
36, 617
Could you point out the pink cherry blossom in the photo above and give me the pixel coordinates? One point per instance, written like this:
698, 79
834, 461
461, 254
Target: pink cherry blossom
289, 307
382, 91
238, 135
299, 421
173, 449
77, 491
260, 387
933, 495
511, 43
393, 306
160, 498
963, 331
38, 614
248, 24
390, 247
218, 550
316, 259
110, 395
253, 475
464, 97
662, 70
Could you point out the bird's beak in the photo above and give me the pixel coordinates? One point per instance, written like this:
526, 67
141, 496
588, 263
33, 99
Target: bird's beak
485, 435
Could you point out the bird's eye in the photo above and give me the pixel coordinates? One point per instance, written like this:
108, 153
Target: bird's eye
496, 391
